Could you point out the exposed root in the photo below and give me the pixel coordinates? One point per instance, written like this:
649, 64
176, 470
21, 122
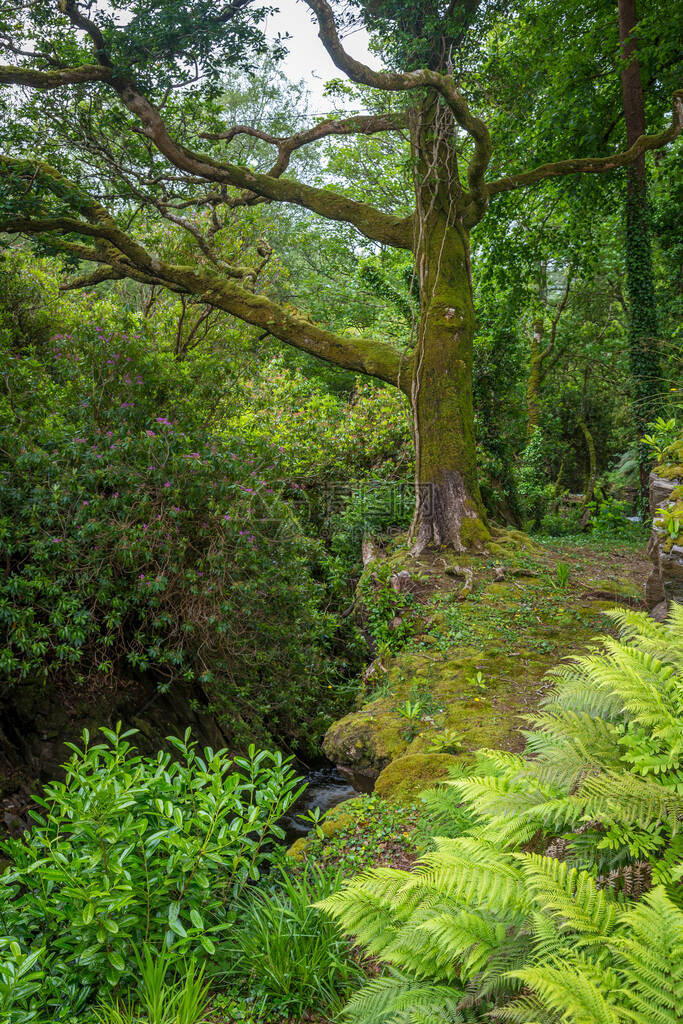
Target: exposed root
461, 571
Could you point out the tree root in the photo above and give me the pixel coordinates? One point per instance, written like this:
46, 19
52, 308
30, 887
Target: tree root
462, 572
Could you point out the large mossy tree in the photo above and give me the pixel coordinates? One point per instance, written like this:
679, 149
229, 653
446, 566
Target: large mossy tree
141, 74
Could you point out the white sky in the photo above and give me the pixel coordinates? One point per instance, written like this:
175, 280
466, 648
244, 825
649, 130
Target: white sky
308, 58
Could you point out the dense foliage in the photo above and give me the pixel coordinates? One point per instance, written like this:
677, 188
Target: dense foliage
138, 542
238, 326
129, 852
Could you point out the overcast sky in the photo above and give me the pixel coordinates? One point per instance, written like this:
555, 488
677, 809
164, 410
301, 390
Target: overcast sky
308, 58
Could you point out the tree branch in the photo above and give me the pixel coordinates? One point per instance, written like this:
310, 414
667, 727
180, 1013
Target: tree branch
127, 258
37, 79
394, 81
594, 165
371, 222
362, 124
90, 280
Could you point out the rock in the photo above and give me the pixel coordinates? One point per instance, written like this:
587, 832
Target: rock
660, 491
401, 582
665, 582
406, 777
362, 779
660, 611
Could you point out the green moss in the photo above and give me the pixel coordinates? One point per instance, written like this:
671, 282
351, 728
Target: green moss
511, 632
474, 533
670, 472
336, 820
407, 776
620, 588
297, 850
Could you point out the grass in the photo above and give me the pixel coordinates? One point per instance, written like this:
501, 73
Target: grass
285, 953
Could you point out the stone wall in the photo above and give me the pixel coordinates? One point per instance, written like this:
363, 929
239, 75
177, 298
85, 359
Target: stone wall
665, 582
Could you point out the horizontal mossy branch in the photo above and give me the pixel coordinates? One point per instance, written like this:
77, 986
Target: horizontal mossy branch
363, 355
36, 78
119, 256
593, 165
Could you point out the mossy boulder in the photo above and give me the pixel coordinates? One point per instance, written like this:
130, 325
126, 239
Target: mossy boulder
446, 685
404, 779
671, 466
475, 663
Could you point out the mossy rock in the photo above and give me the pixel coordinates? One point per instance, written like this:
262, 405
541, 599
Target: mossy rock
376, 735
297, 850
620, 588
405, 778
672, 464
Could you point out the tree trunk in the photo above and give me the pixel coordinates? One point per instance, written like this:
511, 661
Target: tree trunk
643, 327
536, 355
449, 509
592, 473
533, 384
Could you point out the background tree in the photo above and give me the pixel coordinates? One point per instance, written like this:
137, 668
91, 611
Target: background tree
141, 89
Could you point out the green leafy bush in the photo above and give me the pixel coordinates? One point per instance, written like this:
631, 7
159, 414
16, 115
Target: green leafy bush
609, 518
485, 925
130, 851
135, 543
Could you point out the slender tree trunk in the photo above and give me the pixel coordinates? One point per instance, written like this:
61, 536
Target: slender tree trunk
592, 472
533, 386
449, 509
643, 327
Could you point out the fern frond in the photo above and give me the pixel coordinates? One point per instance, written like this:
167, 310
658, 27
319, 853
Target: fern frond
628, 799
397, 1000
648, 951
575, 992
472, 873
570, 896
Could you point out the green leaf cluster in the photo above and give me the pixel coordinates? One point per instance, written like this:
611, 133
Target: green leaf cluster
127, 851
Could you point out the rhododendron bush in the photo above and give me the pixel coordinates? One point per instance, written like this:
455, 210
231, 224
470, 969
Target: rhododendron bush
137, 544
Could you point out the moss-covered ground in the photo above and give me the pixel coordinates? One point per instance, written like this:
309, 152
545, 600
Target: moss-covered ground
468, 645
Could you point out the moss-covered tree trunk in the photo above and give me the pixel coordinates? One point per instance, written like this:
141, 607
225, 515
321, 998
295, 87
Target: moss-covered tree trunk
449, 509
533, 384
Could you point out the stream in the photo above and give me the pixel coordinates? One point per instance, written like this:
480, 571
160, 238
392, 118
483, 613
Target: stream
325, 789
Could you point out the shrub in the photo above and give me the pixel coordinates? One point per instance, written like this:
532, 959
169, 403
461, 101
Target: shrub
131, 850
485, 925
135, 543
609, 518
